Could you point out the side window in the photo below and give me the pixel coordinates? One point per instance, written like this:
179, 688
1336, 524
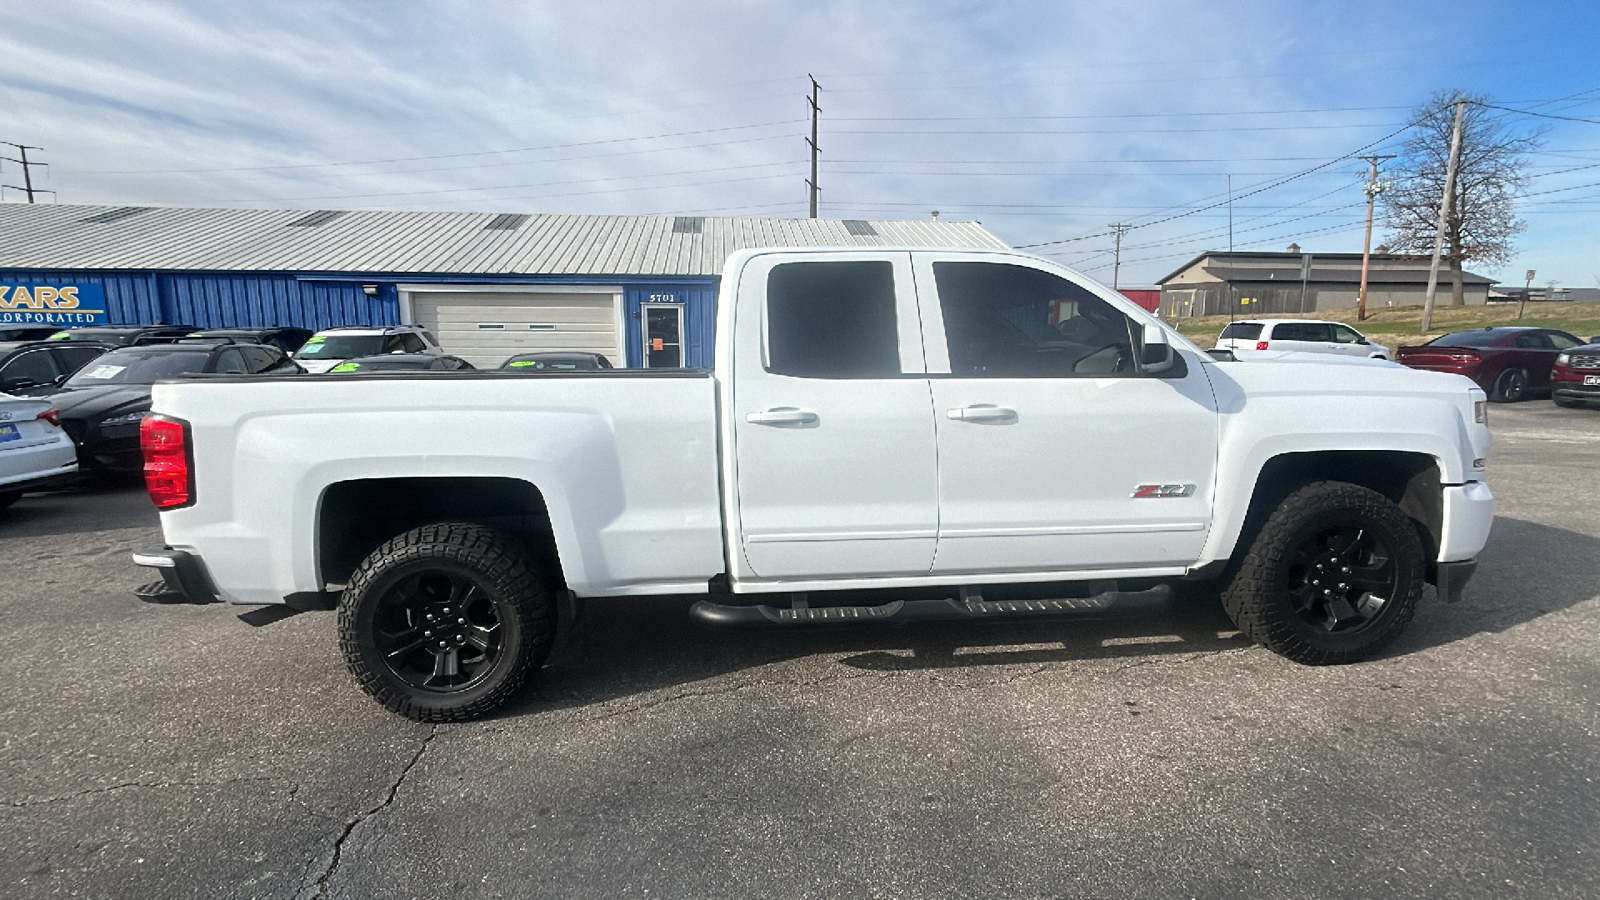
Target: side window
1562, 340
27, 370
231, 362
1009, 321
391, 343
71, 359
832, 320
1532, 340
411, 343
259, 359
1344, 334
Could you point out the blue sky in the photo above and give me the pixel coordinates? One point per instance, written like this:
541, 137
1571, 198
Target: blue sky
1045, 121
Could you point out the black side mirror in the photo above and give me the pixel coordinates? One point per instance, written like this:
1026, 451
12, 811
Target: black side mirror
1594, 338
1362, 340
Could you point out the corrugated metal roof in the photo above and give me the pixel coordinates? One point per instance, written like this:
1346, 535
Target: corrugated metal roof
37, 236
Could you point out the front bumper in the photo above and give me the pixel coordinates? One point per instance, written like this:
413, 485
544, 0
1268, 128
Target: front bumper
1450, 578
184, 578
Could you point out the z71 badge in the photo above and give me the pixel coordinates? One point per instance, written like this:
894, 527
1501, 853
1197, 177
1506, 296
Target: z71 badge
1163, 490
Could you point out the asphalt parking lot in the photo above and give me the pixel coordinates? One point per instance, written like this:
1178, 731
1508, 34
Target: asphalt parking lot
153, 751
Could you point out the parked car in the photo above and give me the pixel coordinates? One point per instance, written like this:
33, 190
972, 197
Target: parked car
327, 348
407, 362
102, 403
1575, 377
558, 360
122, 335
34, 450
9, 333
286, 339
1303, 335
34, 368
1507, 361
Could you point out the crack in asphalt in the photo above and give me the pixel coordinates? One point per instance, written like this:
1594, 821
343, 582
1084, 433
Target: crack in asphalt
315, 889
152, 785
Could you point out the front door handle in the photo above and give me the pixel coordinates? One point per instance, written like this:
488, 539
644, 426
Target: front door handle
982, 412
783, 415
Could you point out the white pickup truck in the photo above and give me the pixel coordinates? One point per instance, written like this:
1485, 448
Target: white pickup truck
885, 433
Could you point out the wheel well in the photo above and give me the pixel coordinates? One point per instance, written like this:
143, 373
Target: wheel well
1410, 480
356, 516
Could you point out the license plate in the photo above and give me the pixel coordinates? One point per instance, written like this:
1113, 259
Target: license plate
9, 433
1591, 379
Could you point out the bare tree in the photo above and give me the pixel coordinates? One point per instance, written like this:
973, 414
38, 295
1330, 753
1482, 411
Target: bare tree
1482, 217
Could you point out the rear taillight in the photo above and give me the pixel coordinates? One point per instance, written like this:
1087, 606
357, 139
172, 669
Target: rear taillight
1261, 345
53, 416
1463, 354
168, 473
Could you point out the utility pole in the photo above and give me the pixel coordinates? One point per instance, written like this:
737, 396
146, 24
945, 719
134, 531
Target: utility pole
1372, 188
815, 109
1444, 211
1119, 230
27, 174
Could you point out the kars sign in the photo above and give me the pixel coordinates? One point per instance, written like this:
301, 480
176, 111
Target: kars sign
52, 304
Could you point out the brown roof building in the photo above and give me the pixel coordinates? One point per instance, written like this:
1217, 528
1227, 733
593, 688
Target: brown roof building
1293, 283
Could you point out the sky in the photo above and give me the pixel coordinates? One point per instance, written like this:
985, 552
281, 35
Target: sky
1046, 121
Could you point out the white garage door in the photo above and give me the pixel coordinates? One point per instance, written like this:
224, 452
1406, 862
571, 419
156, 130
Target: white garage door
485, 327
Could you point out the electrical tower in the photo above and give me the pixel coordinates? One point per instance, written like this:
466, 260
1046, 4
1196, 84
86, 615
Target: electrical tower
1372, 188
1118, 230
27, 173
815, 109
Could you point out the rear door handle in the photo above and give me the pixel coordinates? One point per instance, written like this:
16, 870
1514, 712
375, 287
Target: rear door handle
783, 415
982, 412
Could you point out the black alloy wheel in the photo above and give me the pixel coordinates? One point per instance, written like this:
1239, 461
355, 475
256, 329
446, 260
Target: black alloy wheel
1510, 386
1332, 576
445, 622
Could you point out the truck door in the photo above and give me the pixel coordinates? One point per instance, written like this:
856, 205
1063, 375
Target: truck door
831, 419
1055, 453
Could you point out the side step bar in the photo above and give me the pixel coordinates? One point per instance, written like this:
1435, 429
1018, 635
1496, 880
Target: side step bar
970, 605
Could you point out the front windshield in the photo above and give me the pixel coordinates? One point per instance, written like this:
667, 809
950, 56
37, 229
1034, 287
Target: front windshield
341, 346
137, 368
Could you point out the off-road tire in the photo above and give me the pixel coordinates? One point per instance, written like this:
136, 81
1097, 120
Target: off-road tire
1510, 386
417, 574
1275, 598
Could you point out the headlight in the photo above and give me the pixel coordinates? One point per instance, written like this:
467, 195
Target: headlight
124, 419
1563, 358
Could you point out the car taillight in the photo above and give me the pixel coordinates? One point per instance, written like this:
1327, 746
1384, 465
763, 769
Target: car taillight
1463, 354
168, 475
53, 416
1261, 345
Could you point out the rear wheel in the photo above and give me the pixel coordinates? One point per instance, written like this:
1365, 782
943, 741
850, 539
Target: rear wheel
1333, 576
445, 622
1510, 386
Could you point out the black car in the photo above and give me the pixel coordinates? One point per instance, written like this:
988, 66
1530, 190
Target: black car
11, 333
27, 369
123, 335
286, 339
402, 362
547, 360
102, 404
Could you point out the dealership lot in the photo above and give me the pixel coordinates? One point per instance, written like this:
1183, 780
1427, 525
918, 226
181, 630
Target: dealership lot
177, 751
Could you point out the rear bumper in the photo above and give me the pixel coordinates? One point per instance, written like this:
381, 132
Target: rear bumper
184, 578
26, 469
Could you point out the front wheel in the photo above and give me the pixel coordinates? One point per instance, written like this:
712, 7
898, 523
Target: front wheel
1510, 386
1333, 576
445, 622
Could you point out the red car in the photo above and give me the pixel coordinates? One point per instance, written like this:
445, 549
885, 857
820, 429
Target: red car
1506, 362
1575, 378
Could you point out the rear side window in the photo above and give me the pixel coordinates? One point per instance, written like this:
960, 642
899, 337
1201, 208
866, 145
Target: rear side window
412, 344
1302, 331
73, 358
832, 320
1243, 331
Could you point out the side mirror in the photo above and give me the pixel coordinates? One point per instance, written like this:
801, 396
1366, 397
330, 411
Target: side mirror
1155, 354
1362, 340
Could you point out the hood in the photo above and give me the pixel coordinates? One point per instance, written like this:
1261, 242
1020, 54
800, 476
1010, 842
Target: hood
87, 403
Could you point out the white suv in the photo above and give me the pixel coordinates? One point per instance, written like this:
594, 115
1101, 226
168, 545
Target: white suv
1248, 336
328, 348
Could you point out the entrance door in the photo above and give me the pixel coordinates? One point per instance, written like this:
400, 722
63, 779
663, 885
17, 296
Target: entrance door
832, 424
662, 324
1056, 454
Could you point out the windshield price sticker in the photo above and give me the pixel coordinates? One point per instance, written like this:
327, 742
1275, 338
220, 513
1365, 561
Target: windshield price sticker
52, 304
104, 371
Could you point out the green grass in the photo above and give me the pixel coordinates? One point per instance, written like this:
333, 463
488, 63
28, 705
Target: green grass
1396, 325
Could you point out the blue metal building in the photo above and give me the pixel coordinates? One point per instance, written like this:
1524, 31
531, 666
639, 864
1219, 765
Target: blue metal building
641, 289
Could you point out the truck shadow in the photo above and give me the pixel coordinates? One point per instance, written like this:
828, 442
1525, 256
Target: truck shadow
625, 647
